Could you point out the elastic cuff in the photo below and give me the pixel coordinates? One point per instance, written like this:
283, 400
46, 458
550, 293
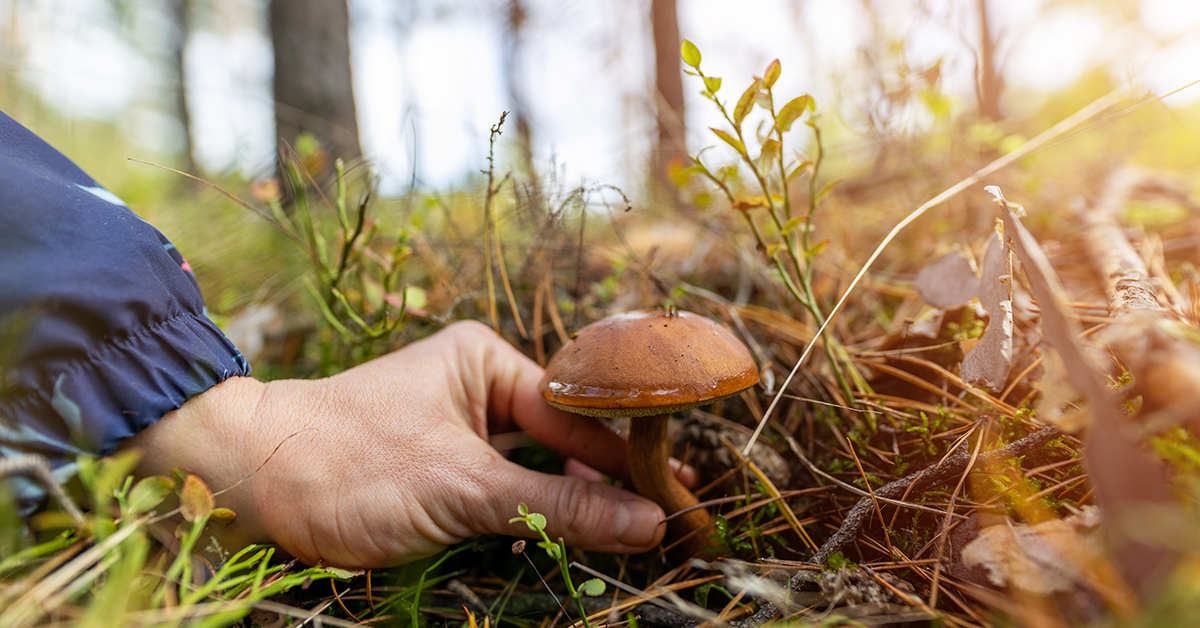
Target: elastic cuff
122, 387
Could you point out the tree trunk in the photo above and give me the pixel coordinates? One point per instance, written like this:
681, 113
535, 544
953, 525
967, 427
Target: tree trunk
178, 11
513, 43
313, 90
991, 84
668, 101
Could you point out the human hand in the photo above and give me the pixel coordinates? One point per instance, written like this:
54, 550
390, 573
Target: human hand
389, 462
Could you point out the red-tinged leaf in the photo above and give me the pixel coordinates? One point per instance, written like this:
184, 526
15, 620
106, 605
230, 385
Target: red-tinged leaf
732, 141
771, 74
690, 53
750, 202
816, 250
195, 500
746, 102
789, 113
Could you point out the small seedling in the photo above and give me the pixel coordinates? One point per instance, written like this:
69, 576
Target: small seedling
558, 551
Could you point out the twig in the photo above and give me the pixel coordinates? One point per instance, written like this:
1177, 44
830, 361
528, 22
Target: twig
952, 467
1127, 280
927, 479
470, 597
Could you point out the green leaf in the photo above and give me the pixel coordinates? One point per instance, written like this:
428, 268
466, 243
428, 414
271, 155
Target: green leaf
771, 74
793, 223
149, 493
690, 170
770, 150
552, 549
195, 500
816, 250
522, 509
179, 474
222, 516
790, 112
592, 588
772, 251
800, 169
343, 574
701, 594
746, 102
537, 521
826, 190
690, 54
732, 141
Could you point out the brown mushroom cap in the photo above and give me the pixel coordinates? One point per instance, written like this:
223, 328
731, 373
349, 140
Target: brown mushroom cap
647, 362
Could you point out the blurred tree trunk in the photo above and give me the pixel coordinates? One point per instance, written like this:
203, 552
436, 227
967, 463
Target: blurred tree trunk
990, 84
178, 11
513, 44
313, 90
668, 101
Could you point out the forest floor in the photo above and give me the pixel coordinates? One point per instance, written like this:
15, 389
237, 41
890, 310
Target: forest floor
996, 427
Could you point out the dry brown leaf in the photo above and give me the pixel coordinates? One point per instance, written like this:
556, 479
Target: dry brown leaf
1050, 557
952, 280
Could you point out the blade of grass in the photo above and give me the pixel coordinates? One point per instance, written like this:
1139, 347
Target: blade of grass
31, 606
792, 520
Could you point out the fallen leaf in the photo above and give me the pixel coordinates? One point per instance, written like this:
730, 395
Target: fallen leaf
952, 280
1050, 557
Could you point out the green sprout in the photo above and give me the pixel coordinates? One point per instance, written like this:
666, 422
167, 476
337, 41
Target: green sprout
558, 551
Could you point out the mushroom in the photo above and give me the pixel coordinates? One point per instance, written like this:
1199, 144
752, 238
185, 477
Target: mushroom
643, 365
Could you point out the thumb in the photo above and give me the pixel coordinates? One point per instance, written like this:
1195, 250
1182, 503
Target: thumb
587, 515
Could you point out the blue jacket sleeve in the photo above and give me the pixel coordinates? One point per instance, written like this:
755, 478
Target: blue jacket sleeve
102, 326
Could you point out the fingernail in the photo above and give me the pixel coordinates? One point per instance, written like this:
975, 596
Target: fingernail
636, 522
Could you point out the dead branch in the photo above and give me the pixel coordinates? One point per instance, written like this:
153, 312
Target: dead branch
1126, 277
1165, 366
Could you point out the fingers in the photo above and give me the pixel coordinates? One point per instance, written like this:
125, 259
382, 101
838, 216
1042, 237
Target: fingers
514, 400
685, 473
587, 515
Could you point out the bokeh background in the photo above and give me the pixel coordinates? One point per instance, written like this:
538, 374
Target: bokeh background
190, 82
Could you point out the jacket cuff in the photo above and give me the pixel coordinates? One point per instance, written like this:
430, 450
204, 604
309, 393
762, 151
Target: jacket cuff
119, 388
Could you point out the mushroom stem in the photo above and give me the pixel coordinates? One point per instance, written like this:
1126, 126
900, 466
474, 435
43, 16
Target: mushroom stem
649, 451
